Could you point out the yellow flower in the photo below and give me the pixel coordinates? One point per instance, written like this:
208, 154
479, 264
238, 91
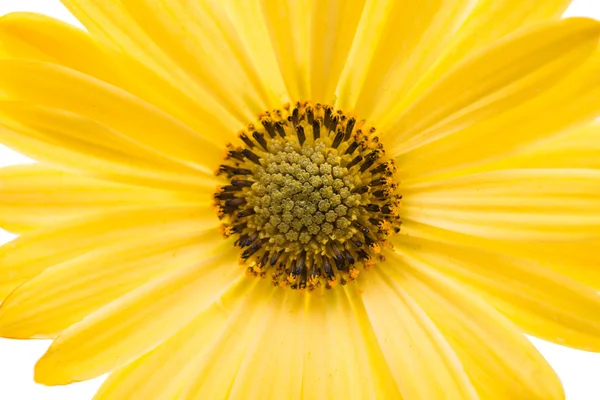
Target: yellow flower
319, 117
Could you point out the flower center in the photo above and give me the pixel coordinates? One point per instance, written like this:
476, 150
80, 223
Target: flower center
310, 195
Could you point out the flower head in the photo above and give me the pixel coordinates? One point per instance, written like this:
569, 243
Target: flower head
302, 199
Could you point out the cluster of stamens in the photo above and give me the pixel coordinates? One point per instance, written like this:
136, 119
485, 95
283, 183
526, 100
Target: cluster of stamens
310, 195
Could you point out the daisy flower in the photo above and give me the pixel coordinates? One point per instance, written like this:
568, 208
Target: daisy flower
285, 199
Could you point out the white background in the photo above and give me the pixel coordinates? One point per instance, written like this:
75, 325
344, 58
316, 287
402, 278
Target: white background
579, 371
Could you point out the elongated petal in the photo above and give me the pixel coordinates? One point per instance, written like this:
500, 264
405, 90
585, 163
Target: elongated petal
162, 372
322, 336
500, 77
31, 253
488, 21
311, 40
500, 361
422, 362
577, 260
137, 322
35, 195
154, 37
66, 293
38, 37
576, 148
540, 301
522, 124
75, 144
520, 204
51, 85
396, 41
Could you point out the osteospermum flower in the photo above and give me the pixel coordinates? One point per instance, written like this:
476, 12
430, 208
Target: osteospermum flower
302, 199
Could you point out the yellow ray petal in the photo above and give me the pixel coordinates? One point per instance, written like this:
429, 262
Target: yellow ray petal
396, 41
488, 21
162, 372
576, 148
35, 195
498, 78
110, 23
421, 361
38, 37
62, 151
320, 335
540, 301
288, 24
500, 361
333, 29
31, 253
130, 326
521, 204
191, 33
66, 293
493, 138
577, 260
55, 86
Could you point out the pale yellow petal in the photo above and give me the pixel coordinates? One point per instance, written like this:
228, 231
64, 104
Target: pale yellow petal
162, 372
35, 195
488, 21
191, 33
54, 86
67, 292
316, 349
289, 27
576, 148
500, 361
110, 23
539, 300
500, 77
125, 329
577, 260
32, 253
38, 37
396, 41
572, 101
311, 40
423, 364
74, 144
514, 205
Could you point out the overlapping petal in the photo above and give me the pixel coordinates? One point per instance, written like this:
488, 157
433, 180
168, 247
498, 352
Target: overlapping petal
32, 253
35, 195
539, 300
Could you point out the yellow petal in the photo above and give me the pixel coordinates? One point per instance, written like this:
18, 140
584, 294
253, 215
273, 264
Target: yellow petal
75, 144
54, 86
422, 362
311, 40
451, 151
289, 27
316, 349
162, 372
31, 253
38, 37
396, 41
35, 195
130, 326
520, 205
67, 292
576, 148
488, 21
191, 33
540, 301
577, 260
498, 78
500, 361
119, 26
